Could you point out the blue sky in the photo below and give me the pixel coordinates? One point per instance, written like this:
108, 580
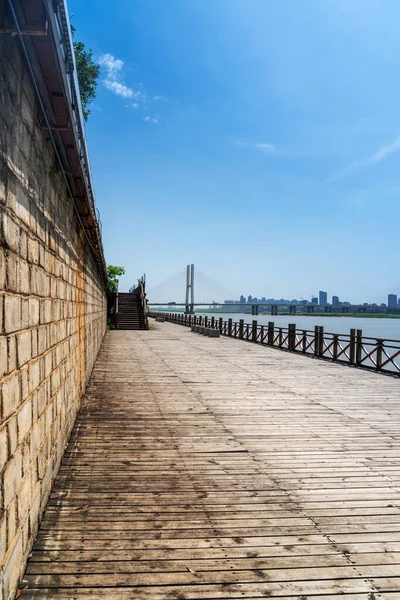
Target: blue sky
258, 139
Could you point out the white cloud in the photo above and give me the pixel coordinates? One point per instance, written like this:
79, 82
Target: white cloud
385, 151
160, 99
114, 78
150, 119
377, 157
266, 148
120, 89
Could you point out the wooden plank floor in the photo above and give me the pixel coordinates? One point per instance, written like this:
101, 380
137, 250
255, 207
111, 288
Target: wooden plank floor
214, 468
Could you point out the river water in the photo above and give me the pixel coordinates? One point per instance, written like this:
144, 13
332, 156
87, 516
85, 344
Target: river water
380, 328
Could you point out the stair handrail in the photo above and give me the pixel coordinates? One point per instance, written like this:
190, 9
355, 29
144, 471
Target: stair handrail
116, 306
143, 301
136, 288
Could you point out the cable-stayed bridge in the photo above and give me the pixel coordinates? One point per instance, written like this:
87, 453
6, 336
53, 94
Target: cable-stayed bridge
190, 288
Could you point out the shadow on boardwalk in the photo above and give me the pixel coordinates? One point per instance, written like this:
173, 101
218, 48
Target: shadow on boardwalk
210, 468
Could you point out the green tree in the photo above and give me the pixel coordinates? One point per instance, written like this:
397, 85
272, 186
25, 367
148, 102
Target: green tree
114, 273
87, 72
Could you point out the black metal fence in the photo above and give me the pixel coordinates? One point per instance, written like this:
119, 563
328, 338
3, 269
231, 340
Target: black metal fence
353, 348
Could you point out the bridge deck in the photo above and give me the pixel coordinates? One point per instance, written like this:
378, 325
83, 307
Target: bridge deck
214, 468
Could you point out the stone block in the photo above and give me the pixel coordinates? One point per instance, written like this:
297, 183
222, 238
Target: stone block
34, 342
24, 313
34, 376
12, 434
12, 476
12, 519
24, 347
3, 356
33, 312
12, 265
24, 496
3, 445
23, 277
10, 395
3, 537
24, 417
12, 313
13, 570
23, 203
2, 269
42, 339
23, 245
214, 333
11, 353
24, 378
10, 232
33, 251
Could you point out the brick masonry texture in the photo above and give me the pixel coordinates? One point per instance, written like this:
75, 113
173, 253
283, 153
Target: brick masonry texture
52, 316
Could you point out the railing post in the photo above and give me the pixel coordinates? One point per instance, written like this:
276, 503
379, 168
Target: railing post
304, 341
316, 340
229, 327
254, 331
379, 354
335, 346
358, 346
352, 349
270, 339
220, 324
241, 323
212, 322
205, 321
321, 340
292, 336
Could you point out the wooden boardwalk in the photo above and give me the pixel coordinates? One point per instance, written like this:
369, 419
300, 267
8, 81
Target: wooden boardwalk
212, 468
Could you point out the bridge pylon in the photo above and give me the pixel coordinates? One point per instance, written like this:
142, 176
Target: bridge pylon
189, 302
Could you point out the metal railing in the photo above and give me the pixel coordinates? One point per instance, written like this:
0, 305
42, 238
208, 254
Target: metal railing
354, 348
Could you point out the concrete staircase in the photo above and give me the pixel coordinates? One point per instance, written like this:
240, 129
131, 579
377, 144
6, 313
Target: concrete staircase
130, 313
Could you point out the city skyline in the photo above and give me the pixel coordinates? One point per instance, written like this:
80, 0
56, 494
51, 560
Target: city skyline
393, 301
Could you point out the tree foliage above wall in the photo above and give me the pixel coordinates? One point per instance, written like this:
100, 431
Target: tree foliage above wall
114, 273
88, 72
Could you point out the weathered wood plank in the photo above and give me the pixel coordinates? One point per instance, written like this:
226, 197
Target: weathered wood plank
214, 469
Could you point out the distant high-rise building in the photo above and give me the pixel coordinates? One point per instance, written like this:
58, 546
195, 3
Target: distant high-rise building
398, 302
242, 299
249, 298
392, 300
323, 298
314, 300
335, 301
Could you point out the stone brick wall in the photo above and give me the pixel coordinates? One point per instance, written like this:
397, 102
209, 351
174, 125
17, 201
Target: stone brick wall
52, 316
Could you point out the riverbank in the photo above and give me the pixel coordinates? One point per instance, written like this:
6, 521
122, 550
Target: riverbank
301, 314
